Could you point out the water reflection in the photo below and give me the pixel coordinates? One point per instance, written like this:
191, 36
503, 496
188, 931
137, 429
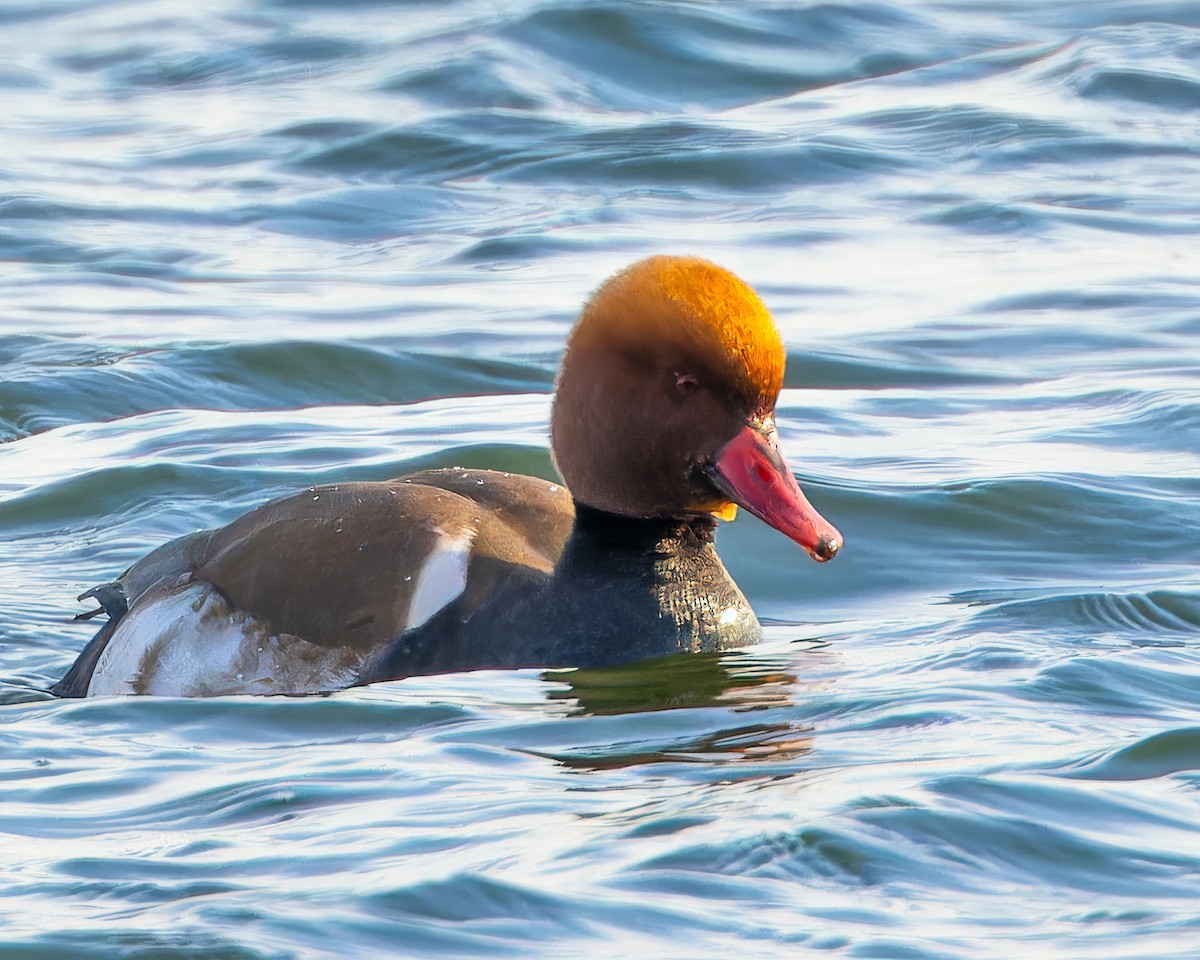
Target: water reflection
716, 690
676, 682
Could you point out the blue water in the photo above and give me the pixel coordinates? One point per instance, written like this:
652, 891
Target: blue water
248, 248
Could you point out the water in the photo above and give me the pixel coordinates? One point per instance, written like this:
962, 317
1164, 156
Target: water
252, 247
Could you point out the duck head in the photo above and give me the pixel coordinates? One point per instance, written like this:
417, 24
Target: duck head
665, 403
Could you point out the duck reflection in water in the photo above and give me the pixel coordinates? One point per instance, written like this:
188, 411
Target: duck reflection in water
741, 685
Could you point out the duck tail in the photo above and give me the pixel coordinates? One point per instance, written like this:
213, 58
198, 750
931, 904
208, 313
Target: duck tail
113, 602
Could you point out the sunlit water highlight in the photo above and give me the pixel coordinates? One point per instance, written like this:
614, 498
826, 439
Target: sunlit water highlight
248, 249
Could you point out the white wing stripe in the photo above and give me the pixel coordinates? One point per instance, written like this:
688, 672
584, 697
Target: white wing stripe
442, 577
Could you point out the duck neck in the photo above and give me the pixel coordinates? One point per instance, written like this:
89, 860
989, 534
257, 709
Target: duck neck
662, 572
651, 537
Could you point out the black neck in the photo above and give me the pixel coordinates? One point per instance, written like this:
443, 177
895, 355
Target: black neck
660, 573
612, 531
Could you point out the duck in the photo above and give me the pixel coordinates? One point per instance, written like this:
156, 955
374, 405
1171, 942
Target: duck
662, 425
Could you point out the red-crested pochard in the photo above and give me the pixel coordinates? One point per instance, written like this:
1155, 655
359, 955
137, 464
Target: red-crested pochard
663, 421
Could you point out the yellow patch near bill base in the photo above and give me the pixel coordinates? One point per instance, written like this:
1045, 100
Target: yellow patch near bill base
727, 512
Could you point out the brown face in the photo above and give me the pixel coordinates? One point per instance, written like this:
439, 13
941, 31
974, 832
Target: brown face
670, 363
634, 427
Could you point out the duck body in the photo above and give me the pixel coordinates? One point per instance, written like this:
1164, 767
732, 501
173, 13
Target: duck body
498, 570
458, 569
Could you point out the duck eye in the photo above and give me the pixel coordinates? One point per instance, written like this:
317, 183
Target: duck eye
685, 382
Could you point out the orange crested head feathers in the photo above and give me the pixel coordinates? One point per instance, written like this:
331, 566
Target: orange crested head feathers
727, 306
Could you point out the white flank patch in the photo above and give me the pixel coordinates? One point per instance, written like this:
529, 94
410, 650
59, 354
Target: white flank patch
189, 643
442, 577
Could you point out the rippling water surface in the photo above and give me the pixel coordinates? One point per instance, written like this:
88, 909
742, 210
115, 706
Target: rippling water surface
250, 247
